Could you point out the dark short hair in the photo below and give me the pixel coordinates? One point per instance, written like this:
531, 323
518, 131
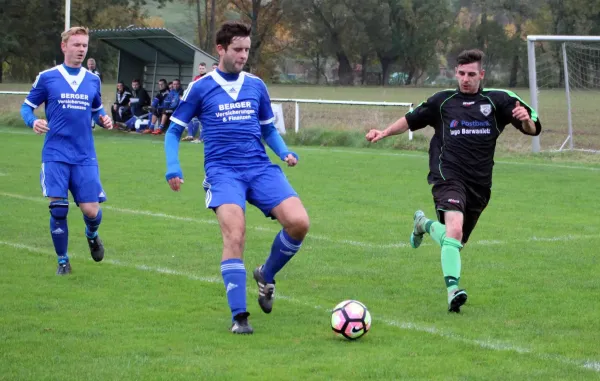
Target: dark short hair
469, 56
163, 80
202, 64
176, 79
231, 29
136, 81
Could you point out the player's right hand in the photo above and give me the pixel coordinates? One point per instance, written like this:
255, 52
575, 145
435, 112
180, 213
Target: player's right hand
375, 135
175, 183
40, 126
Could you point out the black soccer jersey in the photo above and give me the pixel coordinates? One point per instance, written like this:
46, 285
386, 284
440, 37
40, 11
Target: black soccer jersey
466, 129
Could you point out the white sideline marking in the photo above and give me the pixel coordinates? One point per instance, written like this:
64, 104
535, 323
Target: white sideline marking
482, 343
317, 237
375, 153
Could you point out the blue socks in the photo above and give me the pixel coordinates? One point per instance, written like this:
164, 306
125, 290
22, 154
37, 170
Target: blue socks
283, 249
92, 224
234, 278
59, 229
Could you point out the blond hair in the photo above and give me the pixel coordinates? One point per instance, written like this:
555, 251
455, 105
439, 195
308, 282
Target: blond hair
74, 31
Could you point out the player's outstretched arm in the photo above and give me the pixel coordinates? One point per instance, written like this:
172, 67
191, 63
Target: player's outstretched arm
275, 142
398, 127
174, 174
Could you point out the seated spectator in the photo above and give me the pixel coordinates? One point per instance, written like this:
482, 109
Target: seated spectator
120, 109
139, 98
194, 127
201, 71
158, 106
214, 66
170, 104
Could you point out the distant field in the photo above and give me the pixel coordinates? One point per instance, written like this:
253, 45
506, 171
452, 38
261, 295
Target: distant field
552, 111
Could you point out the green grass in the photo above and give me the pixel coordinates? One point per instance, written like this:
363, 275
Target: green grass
155, 309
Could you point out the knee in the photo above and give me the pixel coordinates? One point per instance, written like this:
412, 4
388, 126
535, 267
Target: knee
59, 209
454, 230
89, 210
298, 226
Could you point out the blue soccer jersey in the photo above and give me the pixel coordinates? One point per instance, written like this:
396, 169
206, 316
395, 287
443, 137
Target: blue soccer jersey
231, 112
69, 100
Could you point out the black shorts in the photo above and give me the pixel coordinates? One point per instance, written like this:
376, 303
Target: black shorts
469, 199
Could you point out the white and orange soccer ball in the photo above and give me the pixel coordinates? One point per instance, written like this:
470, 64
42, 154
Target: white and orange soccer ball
350, 319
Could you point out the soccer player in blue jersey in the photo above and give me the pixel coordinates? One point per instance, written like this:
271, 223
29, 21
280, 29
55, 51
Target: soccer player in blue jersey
72, 98
235, 111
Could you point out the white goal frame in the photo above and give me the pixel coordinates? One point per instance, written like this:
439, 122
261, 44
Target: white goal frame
533, 88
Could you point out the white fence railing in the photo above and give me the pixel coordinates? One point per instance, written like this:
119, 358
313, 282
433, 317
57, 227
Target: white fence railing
297, 103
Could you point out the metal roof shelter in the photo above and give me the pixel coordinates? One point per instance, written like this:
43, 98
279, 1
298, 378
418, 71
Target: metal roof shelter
153, 53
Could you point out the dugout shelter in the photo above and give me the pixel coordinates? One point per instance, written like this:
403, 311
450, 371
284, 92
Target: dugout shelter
153, 53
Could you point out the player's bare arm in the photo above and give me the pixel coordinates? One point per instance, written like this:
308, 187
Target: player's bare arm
521, 113
398, 127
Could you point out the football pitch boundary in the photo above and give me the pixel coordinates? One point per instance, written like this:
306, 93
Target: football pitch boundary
365, 245
432, 330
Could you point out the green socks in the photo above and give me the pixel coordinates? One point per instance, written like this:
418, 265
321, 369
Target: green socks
450, 253
451, 263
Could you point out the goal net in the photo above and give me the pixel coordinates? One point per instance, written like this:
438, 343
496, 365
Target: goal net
565, 85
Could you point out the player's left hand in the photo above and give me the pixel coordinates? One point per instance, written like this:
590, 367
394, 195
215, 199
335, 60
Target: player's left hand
106, 122
291, 160
520, 112
175, 183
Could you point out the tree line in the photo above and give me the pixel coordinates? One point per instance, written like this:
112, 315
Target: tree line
411, 37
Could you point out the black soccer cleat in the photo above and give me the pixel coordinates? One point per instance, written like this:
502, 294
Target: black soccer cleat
64, 268
266, 291
96, 248
456, 300
240, 324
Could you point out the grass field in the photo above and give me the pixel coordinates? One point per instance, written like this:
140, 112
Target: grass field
155, 308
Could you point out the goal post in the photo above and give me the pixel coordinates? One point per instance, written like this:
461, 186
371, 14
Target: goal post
569, 63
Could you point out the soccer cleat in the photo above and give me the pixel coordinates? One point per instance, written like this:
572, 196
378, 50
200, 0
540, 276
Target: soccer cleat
266, 291
416, 237
456, 299
64, 268
240, 324
96, 248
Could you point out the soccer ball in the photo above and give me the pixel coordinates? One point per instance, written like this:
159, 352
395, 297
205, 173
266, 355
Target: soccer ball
350, 319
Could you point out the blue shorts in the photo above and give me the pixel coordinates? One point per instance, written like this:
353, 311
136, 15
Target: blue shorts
264, 187
58, 178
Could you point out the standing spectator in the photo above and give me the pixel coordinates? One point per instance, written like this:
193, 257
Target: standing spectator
91, 65
201, 71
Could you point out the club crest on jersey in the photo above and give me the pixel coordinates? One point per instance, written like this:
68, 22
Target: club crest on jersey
485, 109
